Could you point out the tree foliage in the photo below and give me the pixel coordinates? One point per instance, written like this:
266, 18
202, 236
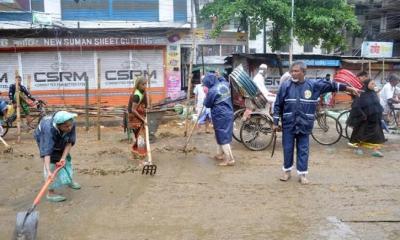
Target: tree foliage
324, 22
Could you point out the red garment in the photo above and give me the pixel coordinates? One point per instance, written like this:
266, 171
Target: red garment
347, 77
137, 126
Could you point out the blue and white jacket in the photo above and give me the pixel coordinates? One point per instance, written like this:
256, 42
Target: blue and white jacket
297, 102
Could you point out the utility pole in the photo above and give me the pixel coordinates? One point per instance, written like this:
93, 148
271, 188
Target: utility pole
190, 69
291, 36
264, 36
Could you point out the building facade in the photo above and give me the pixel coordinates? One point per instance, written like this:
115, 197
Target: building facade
62, 47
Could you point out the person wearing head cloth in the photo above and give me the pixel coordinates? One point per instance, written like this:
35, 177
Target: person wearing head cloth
218, 99
55, 136
137, 117
365, 118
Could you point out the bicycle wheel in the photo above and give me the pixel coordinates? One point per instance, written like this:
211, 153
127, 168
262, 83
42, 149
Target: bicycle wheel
237, 124
256, 132
392, 119
342, 120
326, 131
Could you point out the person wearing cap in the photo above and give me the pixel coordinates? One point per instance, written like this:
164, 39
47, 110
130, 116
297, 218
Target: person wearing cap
55, 136
24, 93
259, 80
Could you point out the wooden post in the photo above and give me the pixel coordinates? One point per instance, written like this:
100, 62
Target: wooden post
98, 99
29, 83
87, 104
369, 69
190, 73
17, 99
383, 71
148, 88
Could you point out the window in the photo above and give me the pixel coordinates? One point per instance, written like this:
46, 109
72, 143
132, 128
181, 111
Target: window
285, 48
180, 11
253, 32
229, 49
308, 48
126, 10
209, 50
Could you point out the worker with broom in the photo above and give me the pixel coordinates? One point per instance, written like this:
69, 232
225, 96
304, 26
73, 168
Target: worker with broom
55, 136
219, 100
137, 116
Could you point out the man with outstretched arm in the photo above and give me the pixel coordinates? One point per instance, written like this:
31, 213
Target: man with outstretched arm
295, 104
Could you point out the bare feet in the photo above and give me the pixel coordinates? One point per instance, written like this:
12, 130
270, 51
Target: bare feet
219, 157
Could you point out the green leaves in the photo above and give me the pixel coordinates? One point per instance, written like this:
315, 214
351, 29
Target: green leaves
324, 22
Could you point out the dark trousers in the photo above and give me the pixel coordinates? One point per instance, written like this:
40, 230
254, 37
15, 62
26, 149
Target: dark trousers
302, 148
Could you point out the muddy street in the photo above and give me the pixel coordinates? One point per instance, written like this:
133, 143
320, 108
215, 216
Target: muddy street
350, 196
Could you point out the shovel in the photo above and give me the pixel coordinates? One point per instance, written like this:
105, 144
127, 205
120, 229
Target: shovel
193, 128
149, 167
27, 222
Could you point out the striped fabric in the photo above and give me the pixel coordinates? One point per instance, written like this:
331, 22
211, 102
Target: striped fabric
347, 77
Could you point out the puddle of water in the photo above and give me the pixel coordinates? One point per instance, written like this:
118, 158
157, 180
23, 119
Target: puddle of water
337, 230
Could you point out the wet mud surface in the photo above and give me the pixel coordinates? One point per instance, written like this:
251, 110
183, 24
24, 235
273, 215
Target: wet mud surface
349, 197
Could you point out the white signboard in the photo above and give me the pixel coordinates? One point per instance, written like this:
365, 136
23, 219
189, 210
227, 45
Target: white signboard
70, 70
377, 49
121, 68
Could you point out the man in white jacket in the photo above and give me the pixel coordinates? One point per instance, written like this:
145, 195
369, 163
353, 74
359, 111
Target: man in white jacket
259, 80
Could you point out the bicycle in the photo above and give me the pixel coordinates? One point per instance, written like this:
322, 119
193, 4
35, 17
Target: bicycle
237, 124
393, 116
41, 112
342, 120
327, 130
256, 131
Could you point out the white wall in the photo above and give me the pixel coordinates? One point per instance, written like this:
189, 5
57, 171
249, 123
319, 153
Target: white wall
166, 10
297, 48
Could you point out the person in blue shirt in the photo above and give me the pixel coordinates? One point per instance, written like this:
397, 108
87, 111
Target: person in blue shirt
3, 114
219, 100
55, 136
296, 103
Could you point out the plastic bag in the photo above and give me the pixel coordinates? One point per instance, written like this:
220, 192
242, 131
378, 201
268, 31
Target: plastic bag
140, 142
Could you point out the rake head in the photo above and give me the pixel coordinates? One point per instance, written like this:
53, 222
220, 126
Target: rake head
8, 150
149, 169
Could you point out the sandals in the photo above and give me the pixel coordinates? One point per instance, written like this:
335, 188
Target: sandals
55, 198
377, 154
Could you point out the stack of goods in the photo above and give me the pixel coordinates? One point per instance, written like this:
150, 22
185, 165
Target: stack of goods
247, 88
347, 77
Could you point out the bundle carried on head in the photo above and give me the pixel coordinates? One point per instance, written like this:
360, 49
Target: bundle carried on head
246, 87
347, 77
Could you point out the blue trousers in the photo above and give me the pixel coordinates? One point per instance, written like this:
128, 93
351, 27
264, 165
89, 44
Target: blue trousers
302, 149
